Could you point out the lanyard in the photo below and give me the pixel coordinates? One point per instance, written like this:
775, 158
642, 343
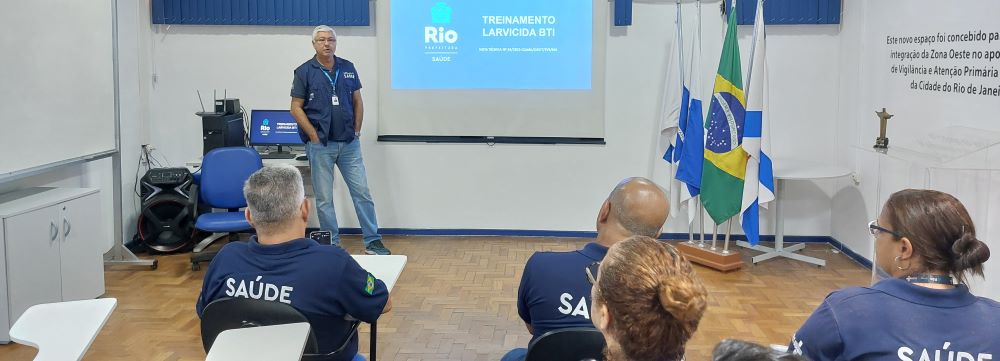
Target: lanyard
933, 279
333, 81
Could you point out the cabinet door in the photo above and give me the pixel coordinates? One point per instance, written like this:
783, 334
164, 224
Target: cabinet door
80, 227
33, 266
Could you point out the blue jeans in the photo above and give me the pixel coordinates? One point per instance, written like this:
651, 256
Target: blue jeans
347, 157
517, 354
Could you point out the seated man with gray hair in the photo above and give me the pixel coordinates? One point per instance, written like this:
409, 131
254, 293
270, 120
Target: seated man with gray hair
279, 264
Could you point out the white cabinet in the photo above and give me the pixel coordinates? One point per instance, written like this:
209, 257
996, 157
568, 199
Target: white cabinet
33, 269
50, 248
80, 253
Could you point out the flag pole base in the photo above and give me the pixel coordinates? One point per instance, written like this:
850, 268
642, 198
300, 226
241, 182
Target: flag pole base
723, 261
781, 251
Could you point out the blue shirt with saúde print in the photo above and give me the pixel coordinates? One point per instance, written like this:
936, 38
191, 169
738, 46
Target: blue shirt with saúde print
899, 321
554, 291
323, 282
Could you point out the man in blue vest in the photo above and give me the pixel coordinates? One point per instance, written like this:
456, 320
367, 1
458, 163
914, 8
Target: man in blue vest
323, 282
554, 291
327, 105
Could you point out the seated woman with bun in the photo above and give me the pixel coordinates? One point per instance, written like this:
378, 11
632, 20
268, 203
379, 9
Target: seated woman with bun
926, 243
647, 301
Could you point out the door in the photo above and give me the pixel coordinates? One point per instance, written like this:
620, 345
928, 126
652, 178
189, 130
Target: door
82, 260
33, 266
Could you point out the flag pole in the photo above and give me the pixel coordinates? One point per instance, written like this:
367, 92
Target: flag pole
690, 233
699, 29
680, 50
729, 231
715, 235
701, 221
753, 49
697, 199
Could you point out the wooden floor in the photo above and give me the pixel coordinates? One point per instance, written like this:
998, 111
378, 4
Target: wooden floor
456, 300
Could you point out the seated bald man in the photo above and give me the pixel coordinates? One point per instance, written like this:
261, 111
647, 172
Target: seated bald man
554, 292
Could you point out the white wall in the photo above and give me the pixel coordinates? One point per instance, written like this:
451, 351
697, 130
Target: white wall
853, 206
100, 174
506, 186
865, 87
134, 84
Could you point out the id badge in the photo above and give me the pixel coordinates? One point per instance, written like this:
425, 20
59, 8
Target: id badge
336, 101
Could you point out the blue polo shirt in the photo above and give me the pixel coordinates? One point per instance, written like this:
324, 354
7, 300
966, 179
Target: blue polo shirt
332, 122
554, 291
322, 282
896, 320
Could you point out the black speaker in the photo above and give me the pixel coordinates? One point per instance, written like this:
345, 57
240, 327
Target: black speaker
166, 222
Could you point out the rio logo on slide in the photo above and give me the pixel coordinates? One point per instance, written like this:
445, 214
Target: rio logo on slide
440, 14
265, 127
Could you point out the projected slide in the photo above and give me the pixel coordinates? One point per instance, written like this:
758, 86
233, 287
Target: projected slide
476, 44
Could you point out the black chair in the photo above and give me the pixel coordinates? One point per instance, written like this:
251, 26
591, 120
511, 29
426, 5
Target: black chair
231, 313
568, 344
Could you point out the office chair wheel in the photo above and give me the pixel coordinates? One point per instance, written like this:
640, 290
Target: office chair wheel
155, 264
195, 266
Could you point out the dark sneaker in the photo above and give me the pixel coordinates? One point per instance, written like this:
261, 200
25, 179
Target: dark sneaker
376, 247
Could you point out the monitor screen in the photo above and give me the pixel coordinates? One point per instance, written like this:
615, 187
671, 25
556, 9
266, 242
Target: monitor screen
273, 127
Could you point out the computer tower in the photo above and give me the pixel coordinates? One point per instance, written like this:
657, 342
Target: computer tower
222, 131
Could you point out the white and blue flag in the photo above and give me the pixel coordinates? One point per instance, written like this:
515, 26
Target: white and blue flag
758, 187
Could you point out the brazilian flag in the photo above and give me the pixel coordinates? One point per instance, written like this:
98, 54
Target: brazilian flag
724, 167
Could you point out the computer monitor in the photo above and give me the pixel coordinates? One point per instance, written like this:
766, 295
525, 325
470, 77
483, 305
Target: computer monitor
274, 127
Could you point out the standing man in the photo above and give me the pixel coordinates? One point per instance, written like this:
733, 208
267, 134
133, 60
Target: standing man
326, 103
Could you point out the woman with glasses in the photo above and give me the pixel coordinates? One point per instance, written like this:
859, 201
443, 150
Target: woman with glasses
926, 245
647, 301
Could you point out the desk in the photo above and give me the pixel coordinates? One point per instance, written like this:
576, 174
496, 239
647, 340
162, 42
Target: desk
278, 343
785, 170
387, 269
194, 165
64, 330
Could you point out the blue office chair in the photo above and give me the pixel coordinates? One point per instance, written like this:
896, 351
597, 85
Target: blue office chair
231, 313
568, 344
219, 184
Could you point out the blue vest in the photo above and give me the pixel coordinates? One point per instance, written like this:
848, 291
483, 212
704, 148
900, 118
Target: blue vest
322, 282
333, 123
554, 291
896, 320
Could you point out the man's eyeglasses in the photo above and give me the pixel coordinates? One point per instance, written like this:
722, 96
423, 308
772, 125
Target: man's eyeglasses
874, 229
326, 40
592, 272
